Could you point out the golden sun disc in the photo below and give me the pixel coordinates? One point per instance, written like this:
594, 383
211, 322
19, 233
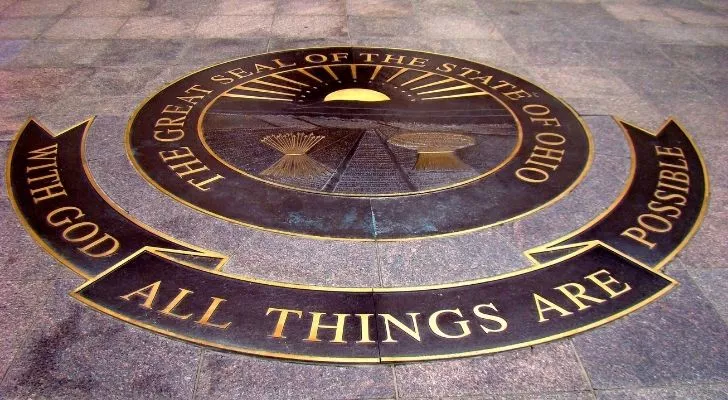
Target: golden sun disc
356, 94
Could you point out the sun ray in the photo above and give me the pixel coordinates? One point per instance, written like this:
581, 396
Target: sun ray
447, 89
452, 96
331, 72
274, 85
310, 75
243, 96
400, 72
252, 89
283, 78
447, 80
423, 76
376, 72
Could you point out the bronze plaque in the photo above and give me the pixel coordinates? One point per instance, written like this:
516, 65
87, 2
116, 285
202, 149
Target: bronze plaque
350, 143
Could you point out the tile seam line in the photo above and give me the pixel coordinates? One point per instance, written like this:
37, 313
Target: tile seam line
683, 385
506, 393
198, 372
711, 302
582, 368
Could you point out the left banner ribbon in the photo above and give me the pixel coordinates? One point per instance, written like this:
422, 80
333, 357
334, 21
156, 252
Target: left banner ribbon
62, 207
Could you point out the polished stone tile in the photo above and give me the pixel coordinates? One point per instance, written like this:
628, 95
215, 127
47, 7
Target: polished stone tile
452, 259
629, 55
119, 81
677, 340
544, 368
21, 301
254, 7
582, 395
580, 82
276, 44
602, 185
75, 109
234, 26
95, 8
712, 58
105, 137
714, 285
571, 10
284, 258
554, 53
123, 184
699, 112
662, 82
693, 392
312, 7
309, 26
36, 84
182, 8
457, 27
638, 12
157, 27
5, 3
23, 28
22, 258
683, 33
399, 42
227, 376
492, 52
37, 7
74, 352
700, 17
630, 107
448, 7
207, 52
714, 149
604, 30
707, 248
84, 28
391, 8
534, 10
9, 50
515, 27
140, 52
60, 53
377, 26
609, 139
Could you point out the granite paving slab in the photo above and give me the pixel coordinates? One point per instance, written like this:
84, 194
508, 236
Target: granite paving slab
641, 350
63, 61
72, 353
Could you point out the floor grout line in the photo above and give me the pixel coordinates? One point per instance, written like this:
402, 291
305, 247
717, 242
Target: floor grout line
197, 373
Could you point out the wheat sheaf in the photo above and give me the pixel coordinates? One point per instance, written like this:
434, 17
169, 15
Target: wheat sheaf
295, 163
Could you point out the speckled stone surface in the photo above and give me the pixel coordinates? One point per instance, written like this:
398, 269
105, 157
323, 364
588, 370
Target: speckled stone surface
63, 61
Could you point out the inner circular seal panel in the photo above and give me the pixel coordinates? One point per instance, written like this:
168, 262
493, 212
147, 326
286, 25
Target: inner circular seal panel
359, 143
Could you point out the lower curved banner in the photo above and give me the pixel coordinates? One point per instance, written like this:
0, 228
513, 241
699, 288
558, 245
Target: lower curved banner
585, 289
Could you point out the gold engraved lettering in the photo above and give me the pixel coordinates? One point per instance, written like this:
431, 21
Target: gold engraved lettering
316, 325
413, 332
282, 318
148, 293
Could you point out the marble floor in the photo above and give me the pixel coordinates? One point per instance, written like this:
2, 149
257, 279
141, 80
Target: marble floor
62, 61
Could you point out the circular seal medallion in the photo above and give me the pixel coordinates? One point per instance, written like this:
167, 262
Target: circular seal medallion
359, 143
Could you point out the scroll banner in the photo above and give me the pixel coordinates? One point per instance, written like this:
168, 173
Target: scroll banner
61, 206
160, 284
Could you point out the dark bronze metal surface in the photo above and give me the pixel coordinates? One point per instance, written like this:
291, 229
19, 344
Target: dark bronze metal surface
359, 143
576, 283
